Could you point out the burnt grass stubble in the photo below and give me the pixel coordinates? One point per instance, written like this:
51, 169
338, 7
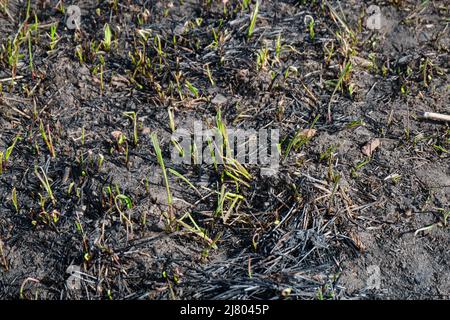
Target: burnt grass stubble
338, 211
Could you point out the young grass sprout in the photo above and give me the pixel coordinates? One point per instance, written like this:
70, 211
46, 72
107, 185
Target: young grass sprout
312, 33
262, 58
119, 201
42, 176
344, 76
47, 137
302, 137
189, 183
133, 116
14, 199
222, 197
160, 159
210, 77
195, 229
253, 18
192, 89
107, 38
53, 36
4, 157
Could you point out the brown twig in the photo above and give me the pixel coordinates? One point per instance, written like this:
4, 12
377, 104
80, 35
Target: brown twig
436, 116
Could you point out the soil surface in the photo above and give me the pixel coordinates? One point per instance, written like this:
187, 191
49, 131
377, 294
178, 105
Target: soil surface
358, 209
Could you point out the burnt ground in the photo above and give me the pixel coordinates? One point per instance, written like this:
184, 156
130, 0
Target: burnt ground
331, 223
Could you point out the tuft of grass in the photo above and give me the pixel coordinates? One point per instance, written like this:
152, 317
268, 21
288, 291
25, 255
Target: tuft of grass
160, 159
189, 183
311, 24
361, 164
47, 137
100, 73
232, 167
195, 229
192, 89
79, 53
210, 77
107, 37
53, 36
119, 201
440, 148
14, 199
222, 197
355, 124
30, 54
245, 4
237, 172
4, 157
278, 47
42, 176
445, 216
10, 149
173, 128
300, 139
253, 18
133, 116
343, 77
289, 70
328, 153
169, 215
101, 160
159, 49
262, 58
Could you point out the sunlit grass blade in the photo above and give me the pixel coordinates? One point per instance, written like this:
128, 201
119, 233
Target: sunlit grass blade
45, 183
46, 136
179, 175
253, 18
196, 229
10, 149
159, 156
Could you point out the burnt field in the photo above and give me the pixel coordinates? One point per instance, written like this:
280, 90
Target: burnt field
94, 205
